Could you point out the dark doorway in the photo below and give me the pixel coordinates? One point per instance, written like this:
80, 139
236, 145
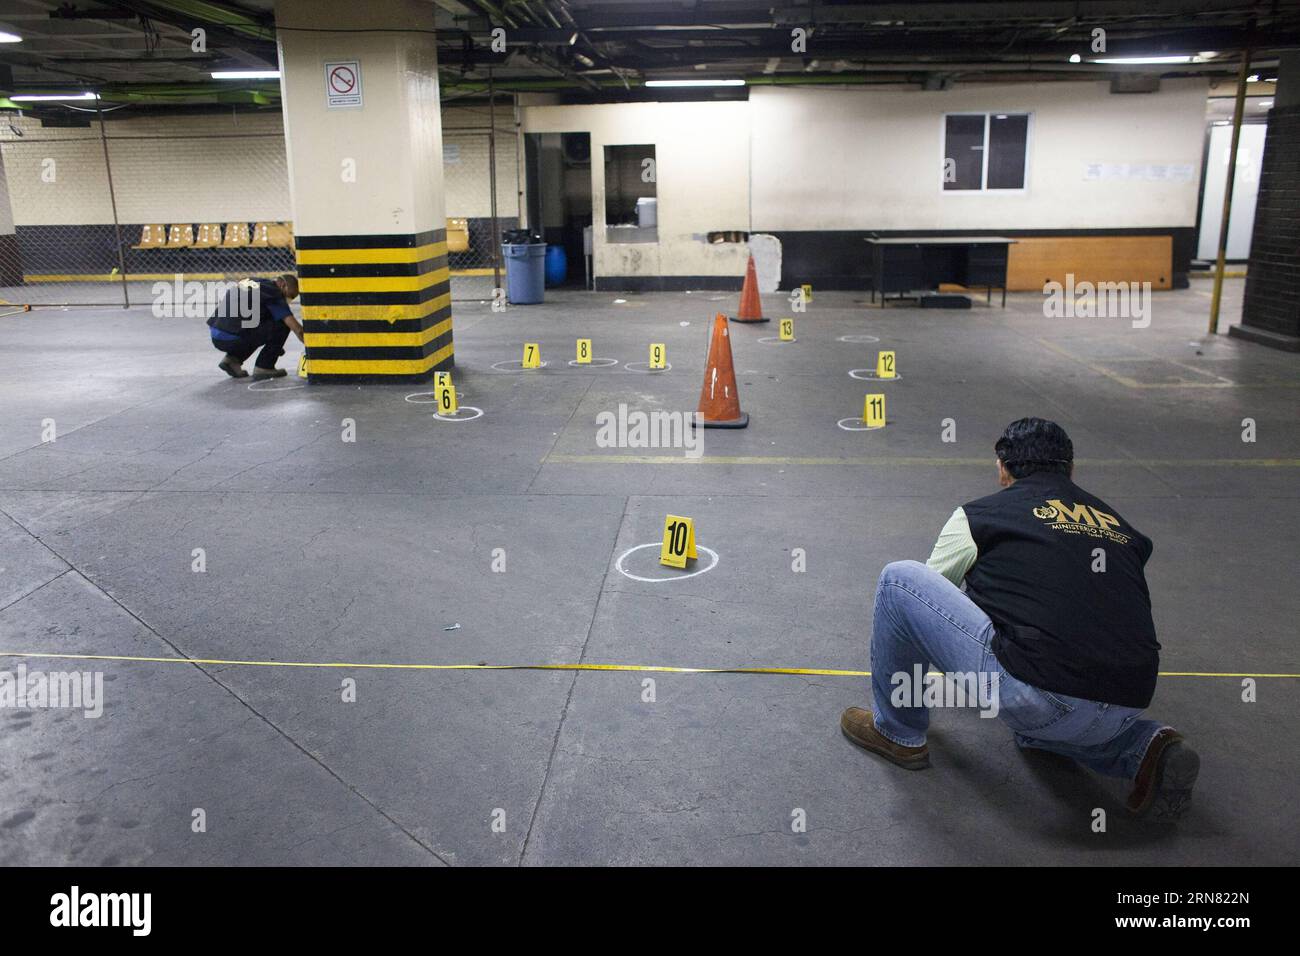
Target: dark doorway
557, 168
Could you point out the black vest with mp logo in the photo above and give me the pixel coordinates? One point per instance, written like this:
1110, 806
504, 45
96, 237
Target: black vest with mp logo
1060, 574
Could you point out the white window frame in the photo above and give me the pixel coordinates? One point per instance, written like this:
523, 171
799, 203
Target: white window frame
988, 115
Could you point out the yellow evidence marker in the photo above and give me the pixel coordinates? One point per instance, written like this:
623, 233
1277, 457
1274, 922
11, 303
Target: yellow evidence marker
679, 541
787, 330
447, 404
873, 411
532, 355
658, 354
584, 352
885, 367
807, 292
440, 379
302, 365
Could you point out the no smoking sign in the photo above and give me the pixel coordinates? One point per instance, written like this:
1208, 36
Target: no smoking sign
343, 84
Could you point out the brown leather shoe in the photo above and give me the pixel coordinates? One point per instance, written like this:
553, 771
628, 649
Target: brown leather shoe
859, 727
1162, 789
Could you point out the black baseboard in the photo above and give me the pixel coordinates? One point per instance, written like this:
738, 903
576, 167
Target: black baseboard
838, 259
1274, 340
668, 283
10, 272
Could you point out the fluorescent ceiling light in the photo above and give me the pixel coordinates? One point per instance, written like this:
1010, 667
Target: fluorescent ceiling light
694, 82
1075, 58
51, 97
7, 37
246, 74
1253, 78
1186, 58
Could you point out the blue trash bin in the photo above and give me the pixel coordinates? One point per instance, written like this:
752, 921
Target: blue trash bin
557, 265
525, 272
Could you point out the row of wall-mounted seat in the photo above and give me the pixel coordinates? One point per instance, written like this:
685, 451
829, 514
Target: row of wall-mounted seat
235, 235
211, 235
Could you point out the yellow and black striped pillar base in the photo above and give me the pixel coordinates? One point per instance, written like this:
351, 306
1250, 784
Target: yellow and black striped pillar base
375, 308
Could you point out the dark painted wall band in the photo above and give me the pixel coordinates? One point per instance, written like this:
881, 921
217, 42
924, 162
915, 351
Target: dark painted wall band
837, 259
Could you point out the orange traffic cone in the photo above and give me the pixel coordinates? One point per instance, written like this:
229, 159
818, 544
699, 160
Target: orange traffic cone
719, 399
751, 307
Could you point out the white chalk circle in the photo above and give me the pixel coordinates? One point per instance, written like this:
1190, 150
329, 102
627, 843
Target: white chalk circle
594, 363
645, 367
870, 374
618, 565
266, 386
478, 413
857, 338
850, 428
518, 366
775, 340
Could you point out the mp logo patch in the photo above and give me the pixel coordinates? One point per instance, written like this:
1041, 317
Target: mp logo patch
1081, 519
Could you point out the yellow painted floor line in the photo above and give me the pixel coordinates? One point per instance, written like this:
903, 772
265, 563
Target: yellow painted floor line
1125, 380
557, 459
656, 668
50, 277
1129, 382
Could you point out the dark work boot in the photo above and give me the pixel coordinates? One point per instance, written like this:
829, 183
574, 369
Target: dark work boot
232, 369
1162, 789
858, 725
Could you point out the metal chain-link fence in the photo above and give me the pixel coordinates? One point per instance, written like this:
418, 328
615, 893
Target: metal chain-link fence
100, 213
481, 185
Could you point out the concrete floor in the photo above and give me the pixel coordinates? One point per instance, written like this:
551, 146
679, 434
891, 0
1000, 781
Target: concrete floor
324, 551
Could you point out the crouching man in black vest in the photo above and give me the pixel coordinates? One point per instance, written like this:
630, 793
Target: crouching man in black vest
1054, 619
254, 314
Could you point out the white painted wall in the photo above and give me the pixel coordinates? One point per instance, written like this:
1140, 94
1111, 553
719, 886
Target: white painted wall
221, 167
217, 168
852, 159
466, 182
702, 157
863, 159
1245, 191
817, 159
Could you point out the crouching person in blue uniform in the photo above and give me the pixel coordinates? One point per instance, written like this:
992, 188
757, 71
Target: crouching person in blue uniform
254, 314
1040, 591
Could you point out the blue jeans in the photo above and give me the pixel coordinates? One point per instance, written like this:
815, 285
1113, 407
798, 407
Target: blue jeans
923, 620
269, 336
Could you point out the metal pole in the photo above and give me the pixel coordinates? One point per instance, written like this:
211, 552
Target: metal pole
1238, 110
519, 160
112, 198
492, 183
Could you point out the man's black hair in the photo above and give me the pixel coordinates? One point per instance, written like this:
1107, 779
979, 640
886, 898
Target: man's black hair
1029, 445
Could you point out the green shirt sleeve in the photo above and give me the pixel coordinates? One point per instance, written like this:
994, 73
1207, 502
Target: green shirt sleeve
955, 552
